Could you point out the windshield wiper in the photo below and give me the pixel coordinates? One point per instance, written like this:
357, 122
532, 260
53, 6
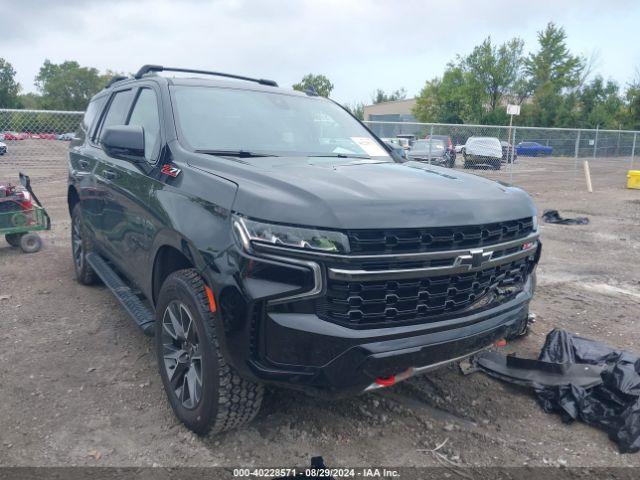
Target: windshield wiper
236, 153
340, 155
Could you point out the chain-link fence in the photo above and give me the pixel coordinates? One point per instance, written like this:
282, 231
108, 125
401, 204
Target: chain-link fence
516, 154
36, 138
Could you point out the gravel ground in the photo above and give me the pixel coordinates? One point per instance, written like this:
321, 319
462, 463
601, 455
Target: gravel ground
79, 382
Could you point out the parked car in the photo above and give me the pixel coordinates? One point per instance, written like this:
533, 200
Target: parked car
67, 136
432, 151
408, 138
482, 151
3, 148
447, 141
15, 136
231, 226
47, 136
508, 152
533, 149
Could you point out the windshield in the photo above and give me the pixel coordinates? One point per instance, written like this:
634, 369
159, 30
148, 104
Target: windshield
424, 145
224, 119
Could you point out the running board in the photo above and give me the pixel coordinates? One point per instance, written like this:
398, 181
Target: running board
142, 315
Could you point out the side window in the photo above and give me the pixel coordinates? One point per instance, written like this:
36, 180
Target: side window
93, 109
118, 109
145, 114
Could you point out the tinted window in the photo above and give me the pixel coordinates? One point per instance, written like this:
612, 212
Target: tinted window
118, 109
93, 109
145, 114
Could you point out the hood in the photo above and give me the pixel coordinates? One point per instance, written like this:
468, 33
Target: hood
349, 194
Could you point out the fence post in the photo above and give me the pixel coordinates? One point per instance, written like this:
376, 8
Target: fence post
577, 151
595, 143
633, 150
430, 142
513, 154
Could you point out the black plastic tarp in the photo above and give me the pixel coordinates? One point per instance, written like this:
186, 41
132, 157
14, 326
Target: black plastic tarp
612, 404
553, 216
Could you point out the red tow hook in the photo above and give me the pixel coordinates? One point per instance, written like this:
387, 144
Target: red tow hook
386, 381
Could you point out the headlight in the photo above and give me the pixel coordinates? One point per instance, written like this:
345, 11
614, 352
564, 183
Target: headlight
535, 223
286, 236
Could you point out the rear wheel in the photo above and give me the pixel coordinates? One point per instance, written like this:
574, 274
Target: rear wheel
13, 239
81, 245
205, 393
30, 243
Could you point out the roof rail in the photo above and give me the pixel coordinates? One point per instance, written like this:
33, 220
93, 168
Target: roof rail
159, 68
117, 78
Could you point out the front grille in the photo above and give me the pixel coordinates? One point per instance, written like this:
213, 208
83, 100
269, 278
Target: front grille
417, 240
383, 303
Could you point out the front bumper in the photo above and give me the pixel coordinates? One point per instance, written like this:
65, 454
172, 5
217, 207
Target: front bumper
279, 337
307, 352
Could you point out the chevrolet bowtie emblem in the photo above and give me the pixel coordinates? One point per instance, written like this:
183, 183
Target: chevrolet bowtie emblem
474, 259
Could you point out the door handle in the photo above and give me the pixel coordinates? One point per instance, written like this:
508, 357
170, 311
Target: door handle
110, 174
83, 164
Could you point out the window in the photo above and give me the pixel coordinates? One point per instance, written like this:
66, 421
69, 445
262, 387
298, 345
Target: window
94, 107
118, 109
145, 114
212, 118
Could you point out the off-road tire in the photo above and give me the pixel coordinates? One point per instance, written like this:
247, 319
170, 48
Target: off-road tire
227, 400
30, 243
13, 239
84, 273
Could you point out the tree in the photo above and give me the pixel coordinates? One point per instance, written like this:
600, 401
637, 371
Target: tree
474, 88
68, 86
601, 104
444, 100
9, 88
379, 96
632, 100
315, 83
553, 63
552, 72
494, 70
30, 101
356, 109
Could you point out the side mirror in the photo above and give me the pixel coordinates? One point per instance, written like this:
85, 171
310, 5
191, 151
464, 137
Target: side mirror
124, 141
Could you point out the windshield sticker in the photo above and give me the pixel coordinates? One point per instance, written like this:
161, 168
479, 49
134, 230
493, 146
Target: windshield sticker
370, 146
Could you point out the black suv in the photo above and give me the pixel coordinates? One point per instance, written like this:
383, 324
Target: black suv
266, 236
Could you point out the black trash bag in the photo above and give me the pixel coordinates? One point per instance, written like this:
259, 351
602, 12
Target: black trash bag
613, 405
553, 216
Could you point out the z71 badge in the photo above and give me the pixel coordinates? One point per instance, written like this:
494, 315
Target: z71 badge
170, 170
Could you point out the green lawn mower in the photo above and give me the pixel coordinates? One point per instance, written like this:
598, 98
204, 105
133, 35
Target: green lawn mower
22, 215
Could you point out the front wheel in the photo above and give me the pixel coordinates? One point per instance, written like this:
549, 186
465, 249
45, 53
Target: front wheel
81, 245
30, 243
205, 393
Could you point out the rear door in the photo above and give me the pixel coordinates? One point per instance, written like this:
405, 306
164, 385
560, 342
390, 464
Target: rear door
83, 156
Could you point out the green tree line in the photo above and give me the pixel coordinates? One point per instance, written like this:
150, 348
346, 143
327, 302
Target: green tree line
551, 84
62, 86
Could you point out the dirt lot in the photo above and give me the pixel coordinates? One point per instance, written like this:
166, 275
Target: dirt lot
79, 383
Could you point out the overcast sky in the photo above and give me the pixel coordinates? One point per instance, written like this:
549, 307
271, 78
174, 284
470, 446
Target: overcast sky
360, 45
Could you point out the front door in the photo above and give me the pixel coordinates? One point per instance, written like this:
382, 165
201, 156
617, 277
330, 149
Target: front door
128, 228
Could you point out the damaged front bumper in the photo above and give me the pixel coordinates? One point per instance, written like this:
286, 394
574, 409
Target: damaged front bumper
343, 362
